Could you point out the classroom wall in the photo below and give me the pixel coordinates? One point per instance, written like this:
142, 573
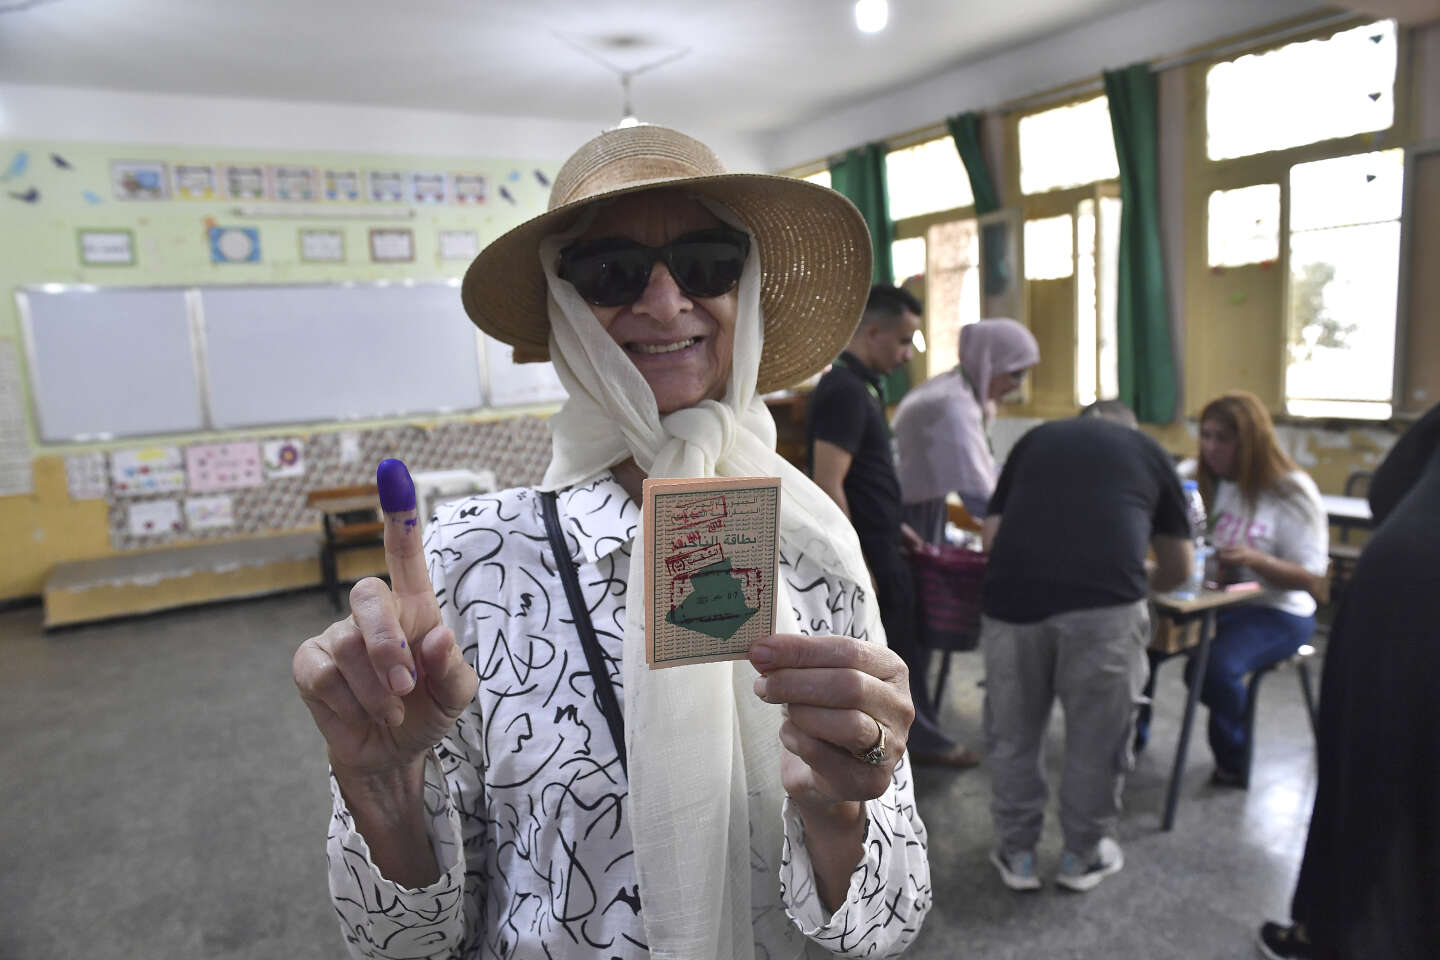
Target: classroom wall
38, 245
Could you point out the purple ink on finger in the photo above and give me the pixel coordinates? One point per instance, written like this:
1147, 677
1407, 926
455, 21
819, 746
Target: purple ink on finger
397, 490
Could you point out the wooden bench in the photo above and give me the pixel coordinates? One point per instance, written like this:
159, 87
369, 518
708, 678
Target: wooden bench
151, 580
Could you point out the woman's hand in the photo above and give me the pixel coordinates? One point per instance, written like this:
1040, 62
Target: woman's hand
386, 684
839, 693
1239, 555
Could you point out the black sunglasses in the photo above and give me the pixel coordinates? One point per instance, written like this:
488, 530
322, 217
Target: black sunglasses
614, 271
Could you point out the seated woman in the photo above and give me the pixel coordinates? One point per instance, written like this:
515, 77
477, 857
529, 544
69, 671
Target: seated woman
1267, 524
492, 796
941, 426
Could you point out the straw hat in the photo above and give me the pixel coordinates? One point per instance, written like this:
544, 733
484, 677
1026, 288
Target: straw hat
813, 243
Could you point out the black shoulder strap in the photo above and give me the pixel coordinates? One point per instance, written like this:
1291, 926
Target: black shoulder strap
599, 674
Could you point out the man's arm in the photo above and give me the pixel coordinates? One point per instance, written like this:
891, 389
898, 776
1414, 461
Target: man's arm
1174, 559
831, 464
988, 528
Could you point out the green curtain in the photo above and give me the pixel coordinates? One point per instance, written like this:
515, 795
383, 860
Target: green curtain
965, 130
1147, 363
998, 271
860, 176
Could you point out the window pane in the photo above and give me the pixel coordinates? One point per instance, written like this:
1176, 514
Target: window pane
1244, 225
1343, 284
907, 257
821, 177
926, 178
1363, 188
1067, 147
1087, 327
952, 286
1049, 248
1109, 273
1302, 92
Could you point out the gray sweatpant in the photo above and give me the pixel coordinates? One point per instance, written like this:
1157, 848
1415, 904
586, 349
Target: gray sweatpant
1094, 662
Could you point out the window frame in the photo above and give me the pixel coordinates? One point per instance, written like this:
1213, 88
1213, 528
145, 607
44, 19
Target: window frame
1204, 176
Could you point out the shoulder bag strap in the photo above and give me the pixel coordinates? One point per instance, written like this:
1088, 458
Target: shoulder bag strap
609, 706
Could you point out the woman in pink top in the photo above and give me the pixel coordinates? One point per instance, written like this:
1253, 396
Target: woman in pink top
940, 427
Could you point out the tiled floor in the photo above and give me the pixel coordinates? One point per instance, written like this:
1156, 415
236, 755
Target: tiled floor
164, 796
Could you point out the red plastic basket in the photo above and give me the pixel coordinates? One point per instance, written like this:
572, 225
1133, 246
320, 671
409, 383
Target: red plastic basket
948, 583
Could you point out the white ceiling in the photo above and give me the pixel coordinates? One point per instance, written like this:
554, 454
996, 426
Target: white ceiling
754, 66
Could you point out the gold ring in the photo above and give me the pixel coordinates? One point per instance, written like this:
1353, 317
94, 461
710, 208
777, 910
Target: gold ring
874, 756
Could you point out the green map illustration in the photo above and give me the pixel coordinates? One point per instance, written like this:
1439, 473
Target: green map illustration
716, 604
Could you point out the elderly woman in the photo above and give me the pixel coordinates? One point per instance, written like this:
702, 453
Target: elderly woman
940, 426
509, 778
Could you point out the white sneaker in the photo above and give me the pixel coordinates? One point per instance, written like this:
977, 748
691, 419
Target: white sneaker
1016, 869
1078, 876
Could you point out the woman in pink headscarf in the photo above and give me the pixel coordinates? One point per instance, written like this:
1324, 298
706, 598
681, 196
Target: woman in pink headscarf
941, 425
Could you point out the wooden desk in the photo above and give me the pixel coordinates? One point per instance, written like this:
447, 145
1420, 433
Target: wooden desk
1348, 511
1182, 610
351, 519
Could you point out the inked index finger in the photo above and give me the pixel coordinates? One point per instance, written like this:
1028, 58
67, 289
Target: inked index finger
787, 650
404, 552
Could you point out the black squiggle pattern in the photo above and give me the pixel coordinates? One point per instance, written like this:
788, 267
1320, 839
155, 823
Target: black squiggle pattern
525, 799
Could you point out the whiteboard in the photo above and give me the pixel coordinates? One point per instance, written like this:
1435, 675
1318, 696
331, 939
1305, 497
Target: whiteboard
514, 384
110, 362
293, 354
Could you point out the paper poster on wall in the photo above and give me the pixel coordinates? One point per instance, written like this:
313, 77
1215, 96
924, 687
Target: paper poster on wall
392, 245
17, 475
234, 245
458, 245
513, 384
223, 466
342, 184
294, 183
87, 476
322, 246
469, 187
139, 180
151, 518
349, 446
429, 187
284, 458
387, 186
244, 182
147, 470
107, 248
195, 181
209, 513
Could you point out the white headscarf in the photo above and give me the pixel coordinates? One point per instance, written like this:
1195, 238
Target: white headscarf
704, 751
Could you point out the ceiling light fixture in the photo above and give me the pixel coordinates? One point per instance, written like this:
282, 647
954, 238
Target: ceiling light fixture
871, 15
628, 117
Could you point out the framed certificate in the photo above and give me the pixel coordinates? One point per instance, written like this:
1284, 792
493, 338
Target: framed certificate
322, 246
392, 245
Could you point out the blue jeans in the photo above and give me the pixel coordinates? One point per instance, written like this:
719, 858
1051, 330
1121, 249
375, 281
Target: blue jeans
1246, 639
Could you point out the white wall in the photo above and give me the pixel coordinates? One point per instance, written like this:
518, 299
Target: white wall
72, 113
1160, 29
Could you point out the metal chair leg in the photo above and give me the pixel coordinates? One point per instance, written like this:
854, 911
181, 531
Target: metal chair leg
1252, 700
944, 674
1304, 670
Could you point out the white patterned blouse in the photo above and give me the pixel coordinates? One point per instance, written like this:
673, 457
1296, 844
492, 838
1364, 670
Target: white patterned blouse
526, 798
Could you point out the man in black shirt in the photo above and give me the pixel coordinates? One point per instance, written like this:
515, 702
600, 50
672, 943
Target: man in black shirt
1077, 505
851, 459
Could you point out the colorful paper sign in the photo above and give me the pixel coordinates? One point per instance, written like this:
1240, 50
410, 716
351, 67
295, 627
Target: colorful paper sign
141, 470
469, 188
86, 476
195, 181
244, 182
387, 186
152, 518
223, 466
284, 458
295, 183
342, 185
210, 513
429, 187
234, 245
139, 180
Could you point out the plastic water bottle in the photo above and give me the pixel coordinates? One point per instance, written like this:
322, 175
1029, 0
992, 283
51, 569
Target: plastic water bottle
1199, 527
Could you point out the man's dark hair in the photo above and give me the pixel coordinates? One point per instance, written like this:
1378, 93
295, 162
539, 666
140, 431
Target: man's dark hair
888, 304
1116, 411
